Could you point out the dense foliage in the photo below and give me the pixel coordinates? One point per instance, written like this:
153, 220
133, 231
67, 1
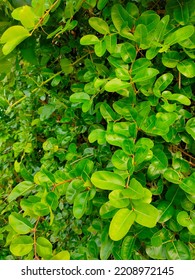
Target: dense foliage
97, 129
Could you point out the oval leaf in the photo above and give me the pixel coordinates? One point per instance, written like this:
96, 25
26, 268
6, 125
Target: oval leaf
146, 214
121, 223
107, 180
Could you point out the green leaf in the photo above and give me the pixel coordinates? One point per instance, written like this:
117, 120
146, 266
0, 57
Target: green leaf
80, 204
52, 200
120, 160
89, 39
115, 85
128, 52
181, 13
97, 135
20, 190
141, 36
107, 211
127, 248
79, 97
190, 127
170, 59
121, 223
63, 255
101, 4
187, 68
177, 250
21, 245
43, 247
120, 17
179, 35
12, 37
162, 83
19, 224
172, 176
117, 199
145, 75
111, 42
183, 219
166, 211
46, 111
41, 209
106, 244
146, 214
100, 48
99, 25
134, 191
107, 112
187, 185
26, 16
66, 65
141, 155
107, 180
177, 97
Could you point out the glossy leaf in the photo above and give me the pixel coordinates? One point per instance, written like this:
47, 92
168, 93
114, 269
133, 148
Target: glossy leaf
120, 17
107, 180
171, 176
118, 199
128, 52
179, 35
121, 223
115, 85
177, 250
145, 75
166, 211
187, 185
187, 68
119, 160
146, 214
134, 191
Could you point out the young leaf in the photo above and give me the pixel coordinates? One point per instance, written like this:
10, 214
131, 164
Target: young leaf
187, 185
120, 17
12, 37
121, 223
128, 52
107, 180
172, 176
26, 16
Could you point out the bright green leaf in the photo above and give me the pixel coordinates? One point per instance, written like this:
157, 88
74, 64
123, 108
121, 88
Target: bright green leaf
121, 223
107, 180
